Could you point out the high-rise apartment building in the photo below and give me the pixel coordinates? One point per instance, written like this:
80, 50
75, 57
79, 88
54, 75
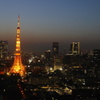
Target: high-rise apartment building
75, 48
55, 49
3, 49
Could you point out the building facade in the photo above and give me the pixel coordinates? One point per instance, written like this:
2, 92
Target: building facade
55, 49
75, 48
3, 49
96, 62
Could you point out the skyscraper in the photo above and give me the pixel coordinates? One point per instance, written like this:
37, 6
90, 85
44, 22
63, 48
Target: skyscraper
48, 54
57, 64
18, 67
55, 49
75, 48
96, 62
3, 49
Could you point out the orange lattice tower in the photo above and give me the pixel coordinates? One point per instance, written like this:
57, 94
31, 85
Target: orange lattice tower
18, 67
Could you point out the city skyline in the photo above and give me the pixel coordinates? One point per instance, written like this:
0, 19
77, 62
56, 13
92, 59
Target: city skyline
44, 22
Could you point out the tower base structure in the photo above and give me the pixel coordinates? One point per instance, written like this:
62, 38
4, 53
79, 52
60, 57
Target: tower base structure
18, 67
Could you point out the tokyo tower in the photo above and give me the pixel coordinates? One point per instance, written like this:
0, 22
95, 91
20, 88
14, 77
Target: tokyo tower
18, 67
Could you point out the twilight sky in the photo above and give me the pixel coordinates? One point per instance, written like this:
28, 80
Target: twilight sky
47, 21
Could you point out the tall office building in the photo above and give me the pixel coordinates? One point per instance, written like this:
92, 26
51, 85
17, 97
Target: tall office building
48, 54
3, 49
75, 48
18, 67
57, 64
96, 62
55, 49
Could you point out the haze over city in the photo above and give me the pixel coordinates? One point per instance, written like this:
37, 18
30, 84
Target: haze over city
47, 21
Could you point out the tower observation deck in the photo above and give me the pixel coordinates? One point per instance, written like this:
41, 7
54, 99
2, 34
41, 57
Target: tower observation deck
18, 67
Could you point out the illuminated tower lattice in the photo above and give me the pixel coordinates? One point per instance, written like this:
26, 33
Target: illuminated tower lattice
18, 67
